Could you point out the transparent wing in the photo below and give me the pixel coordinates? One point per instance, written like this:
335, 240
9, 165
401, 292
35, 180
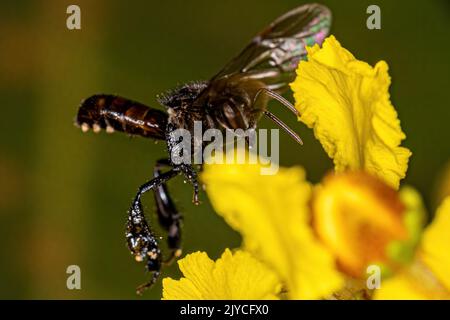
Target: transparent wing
273, 55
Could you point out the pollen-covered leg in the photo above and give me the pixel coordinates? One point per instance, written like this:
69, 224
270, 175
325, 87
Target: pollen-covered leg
140, 239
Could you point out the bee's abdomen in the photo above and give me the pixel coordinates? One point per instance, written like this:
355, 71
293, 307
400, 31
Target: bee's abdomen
114, 113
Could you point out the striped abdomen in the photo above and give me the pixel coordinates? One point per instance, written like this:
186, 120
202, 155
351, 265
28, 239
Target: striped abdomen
114, 113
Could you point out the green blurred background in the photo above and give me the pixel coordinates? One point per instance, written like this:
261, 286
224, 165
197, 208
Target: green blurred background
64, 194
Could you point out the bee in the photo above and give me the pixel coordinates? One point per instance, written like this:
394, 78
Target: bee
235, 98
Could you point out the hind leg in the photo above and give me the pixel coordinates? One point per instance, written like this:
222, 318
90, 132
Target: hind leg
140, 239
168, 216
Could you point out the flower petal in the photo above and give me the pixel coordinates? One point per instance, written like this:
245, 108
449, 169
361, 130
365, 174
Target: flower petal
271, 213
346, 102
233, 276
436, 243
416, 282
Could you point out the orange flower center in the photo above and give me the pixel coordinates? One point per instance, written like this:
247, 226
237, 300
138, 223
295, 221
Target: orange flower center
357, 215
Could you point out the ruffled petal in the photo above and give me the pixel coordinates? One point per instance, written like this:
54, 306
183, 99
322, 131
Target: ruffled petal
235, 276
346, 102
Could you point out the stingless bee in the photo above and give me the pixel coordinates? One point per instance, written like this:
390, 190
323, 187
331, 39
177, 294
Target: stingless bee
235, 98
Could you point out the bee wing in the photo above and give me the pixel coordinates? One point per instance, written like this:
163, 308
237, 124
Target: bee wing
273, 55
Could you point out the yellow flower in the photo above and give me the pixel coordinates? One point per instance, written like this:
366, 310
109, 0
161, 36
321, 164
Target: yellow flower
353, 218
271, 213
346, 102
429, 276
234, 276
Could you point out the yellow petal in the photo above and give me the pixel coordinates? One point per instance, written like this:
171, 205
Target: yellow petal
233, 276
414, 283
346, 102
399, 288
435, 247
271, 213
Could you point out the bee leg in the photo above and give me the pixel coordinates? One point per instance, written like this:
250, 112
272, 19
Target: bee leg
191, 175
168, 216
141, 241
140, 289
186, 168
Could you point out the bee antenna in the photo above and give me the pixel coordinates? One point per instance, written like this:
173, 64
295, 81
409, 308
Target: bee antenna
279, 98
283, 126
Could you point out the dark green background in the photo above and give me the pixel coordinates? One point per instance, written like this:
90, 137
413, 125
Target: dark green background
64, 194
